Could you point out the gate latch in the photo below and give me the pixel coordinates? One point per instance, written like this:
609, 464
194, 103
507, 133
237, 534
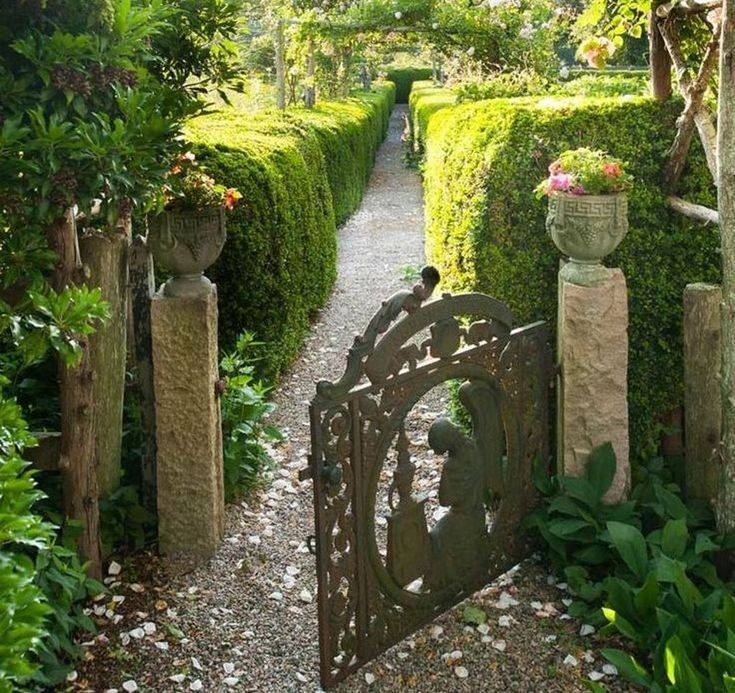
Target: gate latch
307, 472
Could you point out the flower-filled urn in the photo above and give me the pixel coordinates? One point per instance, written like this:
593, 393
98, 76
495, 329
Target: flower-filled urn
588, 205
188, 236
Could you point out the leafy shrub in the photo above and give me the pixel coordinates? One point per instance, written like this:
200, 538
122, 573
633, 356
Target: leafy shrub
404, 78
42, 584
642, 569
244, 406
300, 173
485, 229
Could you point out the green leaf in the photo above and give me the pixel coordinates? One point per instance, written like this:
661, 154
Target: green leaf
627, 666
679, 668
703, 544
601, 469
646, 597
622, 624
631, 545
674, 538
474, 616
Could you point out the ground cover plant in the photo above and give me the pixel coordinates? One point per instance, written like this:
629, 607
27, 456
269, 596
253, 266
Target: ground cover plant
644, 570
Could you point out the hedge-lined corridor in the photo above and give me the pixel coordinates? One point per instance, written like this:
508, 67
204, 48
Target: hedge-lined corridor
301, 174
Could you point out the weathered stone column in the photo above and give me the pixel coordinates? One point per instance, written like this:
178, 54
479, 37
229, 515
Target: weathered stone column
593, 361
188, 425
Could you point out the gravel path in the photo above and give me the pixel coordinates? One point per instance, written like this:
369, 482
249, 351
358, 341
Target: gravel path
247, 621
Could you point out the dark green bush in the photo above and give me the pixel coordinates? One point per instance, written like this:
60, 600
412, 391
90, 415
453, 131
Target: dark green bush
404, 77
486, 227
300, 173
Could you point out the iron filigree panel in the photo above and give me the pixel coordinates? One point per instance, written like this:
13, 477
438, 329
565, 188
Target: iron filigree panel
369, 599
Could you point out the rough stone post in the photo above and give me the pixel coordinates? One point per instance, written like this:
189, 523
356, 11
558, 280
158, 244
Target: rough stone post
593, 362
702, 395
188, 426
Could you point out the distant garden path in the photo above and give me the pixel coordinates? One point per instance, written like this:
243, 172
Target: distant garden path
249, 618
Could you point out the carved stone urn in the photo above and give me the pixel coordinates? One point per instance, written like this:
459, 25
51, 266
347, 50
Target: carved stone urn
185, 244
587, 228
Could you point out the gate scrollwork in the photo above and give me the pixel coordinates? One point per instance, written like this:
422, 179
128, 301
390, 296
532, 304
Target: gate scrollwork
370, 598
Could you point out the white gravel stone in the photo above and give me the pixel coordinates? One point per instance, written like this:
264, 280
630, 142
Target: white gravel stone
369, 678
499, 645
596, 676
196, 685
586, 629
130, 686
137, 633
114, 568
461, 672
228, 667
177, 678
609, 669
570, 661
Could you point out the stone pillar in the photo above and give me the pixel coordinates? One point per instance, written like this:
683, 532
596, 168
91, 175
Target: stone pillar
593, 361
188, 425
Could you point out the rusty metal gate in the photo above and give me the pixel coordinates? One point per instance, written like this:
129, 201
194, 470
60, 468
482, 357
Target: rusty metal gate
382, 571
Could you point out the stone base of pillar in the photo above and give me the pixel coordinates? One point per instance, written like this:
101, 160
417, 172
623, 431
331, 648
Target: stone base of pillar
593, 360
188, 426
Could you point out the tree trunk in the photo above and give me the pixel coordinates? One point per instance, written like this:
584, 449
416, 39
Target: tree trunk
661, 86
280, 45
106, 256
693, 115
310, 88
345, 55
725, 505
77, 458
142, 288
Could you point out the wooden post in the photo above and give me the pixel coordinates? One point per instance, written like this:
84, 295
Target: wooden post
661, 86
142, 288
702, 401
106, 257
76, 399
280, 45
725, 505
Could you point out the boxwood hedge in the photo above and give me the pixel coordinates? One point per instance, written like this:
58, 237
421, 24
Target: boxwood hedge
300, 173
485, 227
404, 78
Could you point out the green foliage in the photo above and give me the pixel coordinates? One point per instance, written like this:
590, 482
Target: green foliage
404, 77
125, 525
644, 570
42, 584
22, 608
486, 229
244, 408
300, 173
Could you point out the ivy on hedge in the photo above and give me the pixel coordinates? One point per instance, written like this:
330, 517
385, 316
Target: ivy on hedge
485, 227
300, 173
404, 78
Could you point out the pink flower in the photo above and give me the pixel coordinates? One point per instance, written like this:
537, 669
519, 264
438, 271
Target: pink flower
577, 190
560, 182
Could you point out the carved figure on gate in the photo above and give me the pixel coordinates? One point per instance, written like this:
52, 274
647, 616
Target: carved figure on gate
459, 538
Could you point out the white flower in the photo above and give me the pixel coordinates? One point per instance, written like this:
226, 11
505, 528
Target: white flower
435, 26
398, 15
526, 32
564, 72
471, 51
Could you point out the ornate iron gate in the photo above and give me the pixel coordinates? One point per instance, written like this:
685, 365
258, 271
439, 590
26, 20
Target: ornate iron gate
371, 598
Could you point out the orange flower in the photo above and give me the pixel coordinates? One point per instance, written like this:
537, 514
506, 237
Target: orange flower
232, 195
612, 170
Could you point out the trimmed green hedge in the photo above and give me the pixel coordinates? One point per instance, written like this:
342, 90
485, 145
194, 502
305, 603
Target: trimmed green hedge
300, 173
404, 77
485, 227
